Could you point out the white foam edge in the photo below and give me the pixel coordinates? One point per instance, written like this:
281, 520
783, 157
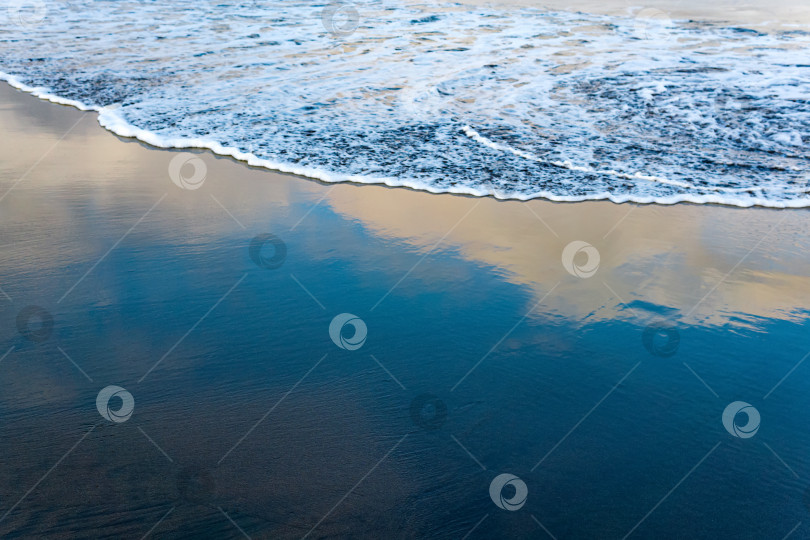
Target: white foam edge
113, 122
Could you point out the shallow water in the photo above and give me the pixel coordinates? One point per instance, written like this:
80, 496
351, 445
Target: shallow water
247, 415
512, 102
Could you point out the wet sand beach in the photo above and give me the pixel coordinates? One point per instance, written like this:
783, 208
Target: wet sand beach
588, 349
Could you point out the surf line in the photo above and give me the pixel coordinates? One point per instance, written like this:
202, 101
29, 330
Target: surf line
470, 132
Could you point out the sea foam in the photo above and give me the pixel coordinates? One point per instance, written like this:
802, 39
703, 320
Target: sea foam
515, 104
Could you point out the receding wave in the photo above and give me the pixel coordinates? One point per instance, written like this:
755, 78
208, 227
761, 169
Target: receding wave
516, 104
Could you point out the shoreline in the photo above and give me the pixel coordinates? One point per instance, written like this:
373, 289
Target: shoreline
468, 300
109, 121
522, 239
